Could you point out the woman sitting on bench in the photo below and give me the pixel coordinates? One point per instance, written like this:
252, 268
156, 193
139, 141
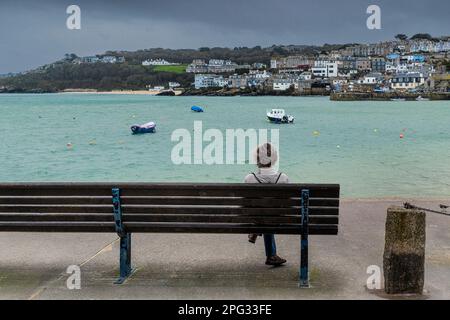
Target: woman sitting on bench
266, 158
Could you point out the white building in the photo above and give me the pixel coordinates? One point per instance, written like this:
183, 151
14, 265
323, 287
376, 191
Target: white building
259, 65
430, 46
109, 59
282, 84
407, 81
89, 59
209, 81
390, 67
273, 64
213, 66
219, 62
256, 74
238, 81
325, 69
221, 66
306, 76
257, 78
372, 79
339, 82
173, 85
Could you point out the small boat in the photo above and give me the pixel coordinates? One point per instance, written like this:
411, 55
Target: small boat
398, 99
279, 116
149, 127
166, 93
420, 98
197, 109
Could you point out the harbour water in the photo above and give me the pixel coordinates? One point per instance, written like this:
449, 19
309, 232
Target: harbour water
355, 144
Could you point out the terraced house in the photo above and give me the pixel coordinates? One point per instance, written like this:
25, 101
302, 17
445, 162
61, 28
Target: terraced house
407, 81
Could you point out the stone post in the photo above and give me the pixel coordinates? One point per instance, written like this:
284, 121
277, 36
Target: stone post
404, 252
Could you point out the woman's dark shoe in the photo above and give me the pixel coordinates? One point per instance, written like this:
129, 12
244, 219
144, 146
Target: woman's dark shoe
252, 238
275, 261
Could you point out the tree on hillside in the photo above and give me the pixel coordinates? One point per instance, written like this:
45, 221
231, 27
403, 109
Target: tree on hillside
422, 36
401, 37
279, 51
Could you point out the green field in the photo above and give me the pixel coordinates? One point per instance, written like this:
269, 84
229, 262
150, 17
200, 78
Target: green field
175, 69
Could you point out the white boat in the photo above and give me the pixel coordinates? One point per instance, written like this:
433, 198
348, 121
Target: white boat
279, 116
398, 99
149, 127
420, 98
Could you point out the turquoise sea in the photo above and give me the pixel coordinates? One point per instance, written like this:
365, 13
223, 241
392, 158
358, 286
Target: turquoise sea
356, 144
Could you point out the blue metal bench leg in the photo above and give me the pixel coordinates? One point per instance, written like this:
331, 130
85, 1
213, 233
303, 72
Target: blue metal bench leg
125, 238
125, 258
304, 269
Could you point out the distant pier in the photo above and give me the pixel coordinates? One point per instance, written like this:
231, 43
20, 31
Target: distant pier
372, 96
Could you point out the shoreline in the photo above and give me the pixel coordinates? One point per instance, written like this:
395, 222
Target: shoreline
336, 97
116, 92
372, 96
150, 93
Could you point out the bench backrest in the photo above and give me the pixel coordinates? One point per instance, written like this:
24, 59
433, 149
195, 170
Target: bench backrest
150, 207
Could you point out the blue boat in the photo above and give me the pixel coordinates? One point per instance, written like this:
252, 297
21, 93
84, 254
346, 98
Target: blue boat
149, 127
197, 109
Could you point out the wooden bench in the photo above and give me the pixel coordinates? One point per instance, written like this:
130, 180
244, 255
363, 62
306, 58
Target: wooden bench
127, 208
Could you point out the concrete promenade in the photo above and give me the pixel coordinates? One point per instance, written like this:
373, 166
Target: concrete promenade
32, 266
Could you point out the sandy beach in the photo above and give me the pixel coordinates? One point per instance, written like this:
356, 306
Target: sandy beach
127, 92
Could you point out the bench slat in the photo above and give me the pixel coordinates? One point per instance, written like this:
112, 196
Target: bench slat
167, 209
55, 217
39, 226
236, 201
145, 189
226, 210
54, 200
57, 208
230, 219
228, 228
64, 217
237, 192
233, 201
94, 227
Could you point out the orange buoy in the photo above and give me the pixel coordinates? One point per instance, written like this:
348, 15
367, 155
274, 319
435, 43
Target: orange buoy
402, 136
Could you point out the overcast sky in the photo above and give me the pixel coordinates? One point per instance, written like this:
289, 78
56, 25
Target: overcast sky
33, 33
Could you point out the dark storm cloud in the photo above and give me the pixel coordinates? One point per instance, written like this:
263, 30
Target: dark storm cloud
34, 33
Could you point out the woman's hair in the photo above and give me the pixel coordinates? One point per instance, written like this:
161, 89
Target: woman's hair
266, 156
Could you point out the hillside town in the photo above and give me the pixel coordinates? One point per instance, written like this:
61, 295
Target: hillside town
404, 66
